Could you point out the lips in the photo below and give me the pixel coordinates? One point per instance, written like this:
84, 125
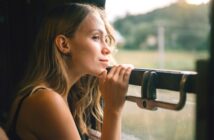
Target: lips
104, 60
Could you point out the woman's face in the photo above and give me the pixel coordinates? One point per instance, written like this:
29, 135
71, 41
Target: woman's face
89, 46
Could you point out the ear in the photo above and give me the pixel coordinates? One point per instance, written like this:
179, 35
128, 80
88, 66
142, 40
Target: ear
62, 44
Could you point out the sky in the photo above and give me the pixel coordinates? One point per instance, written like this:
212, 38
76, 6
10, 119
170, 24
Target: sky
119, 8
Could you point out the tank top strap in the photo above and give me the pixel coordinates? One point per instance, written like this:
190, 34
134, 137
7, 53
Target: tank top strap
12, 131
37, 88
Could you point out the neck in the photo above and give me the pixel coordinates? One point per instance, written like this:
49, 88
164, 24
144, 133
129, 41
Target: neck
74, 76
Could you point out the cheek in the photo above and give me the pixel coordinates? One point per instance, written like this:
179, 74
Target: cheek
89, 47
87, 58
92, 52
87, 54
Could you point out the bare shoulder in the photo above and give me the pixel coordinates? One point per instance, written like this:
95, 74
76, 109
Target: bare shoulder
44, 102
45, 98
45, 113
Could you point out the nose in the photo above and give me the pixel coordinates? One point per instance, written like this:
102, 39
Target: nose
106, 49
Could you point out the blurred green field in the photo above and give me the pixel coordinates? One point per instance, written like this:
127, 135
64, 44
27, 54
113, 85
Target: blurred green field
161, 124
177, 60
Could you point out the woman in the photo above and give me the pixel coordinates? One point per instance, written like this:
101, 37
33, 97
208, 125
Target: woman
68, 76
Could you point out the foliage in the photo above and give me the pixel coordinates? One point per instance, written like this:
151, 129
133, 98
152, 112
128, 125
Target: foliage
185, 27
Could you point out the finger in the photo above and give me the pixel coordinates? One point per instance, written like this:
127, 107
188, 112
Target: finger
117, 72
121, 74
112, 71
127, 73
123, 70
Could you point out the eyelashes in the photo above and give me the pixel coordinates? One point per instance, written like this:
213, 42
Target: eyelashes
101, 38
96, 38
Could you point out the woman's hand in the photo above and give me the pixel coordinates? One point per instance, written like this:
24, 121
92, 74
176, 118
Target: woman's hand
114, 86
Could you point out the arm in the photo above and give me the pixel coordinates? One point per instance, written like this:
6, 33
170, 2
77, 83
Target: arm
114, 87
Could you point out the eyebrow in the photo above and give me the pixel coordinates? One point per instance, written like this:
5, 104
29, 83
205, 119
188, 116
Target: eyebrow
98, 30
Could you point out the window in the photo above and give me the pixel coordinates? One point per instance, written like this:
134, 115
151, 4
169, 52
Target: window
164, 34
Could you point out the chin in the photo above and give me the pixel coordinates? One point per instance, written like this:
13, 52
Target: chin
98, 72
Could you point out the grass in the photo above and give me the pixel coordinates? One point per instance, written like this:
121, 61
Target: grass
161, 124
180, 60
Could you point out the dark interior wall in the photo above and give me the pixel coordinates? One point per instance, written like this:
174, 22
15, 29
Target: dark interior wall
12, 41
4, 41
19, 20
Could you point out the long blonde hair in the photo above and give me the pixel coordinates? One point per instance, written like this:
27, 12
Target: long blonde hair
48, 66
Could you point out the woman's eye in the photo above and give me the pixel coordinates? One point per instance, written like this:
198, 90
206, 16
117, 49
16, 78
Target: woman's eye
96, 38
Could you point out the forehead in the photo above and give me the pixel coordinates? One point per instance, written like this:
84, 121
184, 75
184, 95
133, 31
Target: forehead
92, 21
